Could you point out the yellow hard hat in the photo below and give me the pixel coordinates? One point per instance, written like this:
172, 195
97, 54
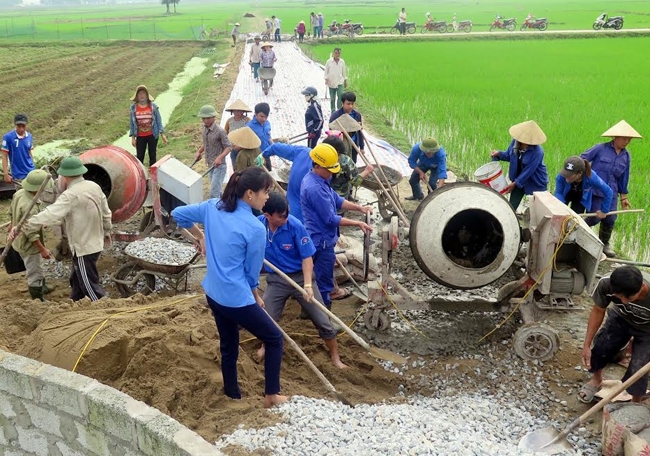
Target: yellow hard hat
325, 156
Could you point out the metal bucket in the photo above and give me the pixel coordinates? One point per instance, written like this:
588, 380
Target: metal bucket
266, 73
492, 176
121, 177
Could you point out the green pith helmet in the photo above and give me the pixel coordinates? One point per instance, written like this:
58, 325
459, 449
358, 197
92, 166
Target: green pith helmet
207, 111
34, 180
429, 145
72, 167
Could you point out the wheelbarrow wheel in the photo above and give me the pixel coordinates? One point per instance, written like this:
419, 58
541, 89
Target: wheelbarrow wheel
145, 285
385, 208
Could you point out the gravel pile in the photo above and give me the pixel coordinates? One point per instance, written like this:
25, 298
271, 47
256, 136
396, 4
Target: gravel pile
461, 425
161, 251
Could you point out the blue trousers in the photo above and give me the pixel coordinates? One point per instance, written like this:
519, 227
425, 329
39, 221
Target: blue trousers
256, 67
277, 35
597, 205
324, 261
256, 321
415, 181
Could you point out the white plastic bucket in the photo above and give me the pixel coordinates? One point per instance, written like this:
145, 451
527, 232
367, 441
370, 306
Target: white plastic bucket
492, 176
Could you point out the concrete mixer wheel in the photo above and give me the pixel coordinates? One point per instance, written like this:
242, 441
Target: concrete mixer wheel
145, 285
376, 320
385, 208
536, 341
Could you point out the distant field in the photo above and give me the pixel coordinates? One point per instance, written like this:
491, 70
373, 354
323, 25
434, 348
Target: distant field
469, 93
83, 91
149, 22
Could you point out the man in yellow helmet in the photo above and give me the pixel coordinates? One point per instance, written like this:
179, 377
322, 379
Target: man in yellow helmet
320, 203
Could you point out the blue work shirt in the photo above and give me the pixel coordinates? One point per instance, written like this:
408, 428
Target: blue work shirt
533, 176
301, 166
234, 250
437, 162
319, 204
18, 149
613, 168
262, 131
288, 246
356, 137
589, 187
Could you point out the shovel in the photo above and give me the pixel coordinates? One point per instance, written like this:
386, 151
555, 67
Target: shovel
550, 441
374, 351
195, 162
624, 211
311, 365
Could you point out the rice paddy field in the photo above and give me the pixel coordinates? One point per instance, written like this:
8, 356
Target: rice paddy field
150, 22
467, 94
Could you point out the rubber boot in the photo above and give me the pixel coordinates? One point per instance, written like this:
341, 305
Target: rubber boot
48, 290
605, 234
36, 293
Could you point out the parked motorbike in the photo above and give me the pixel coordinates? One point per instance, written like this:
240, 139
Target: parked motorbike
465, 26
532, 23
352, 28
410, 28
508, 24
437, 26
334, 29
602, 21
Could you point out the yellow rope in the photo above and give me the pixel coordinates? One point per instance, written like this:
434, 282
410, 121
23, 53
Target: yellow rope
566, 231
401, 315
137, 309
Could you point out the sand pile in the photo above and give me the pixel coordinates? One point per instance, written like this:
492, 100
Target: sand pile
168, 357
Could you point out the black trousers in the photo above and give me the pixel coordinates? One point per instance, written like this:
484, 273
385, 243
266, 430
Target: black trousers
141, 145
84, 278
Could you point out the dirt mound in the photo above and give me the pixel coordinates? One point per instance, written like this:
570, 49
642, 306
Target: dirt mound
166, 353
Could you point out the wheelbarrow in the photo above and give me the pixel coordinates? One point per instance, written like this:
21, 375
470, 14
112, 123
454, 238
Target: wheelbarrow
394, 178
139, 276
266, 75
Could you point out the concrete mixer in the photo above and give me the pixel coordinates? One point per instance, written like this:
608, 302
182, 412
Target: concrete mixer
128, 189
466, 235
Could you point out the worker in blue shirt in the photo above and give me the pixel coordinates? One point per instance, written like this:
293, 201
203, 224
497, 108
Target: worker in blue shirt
290, 249
320, 204
349, 100
234, 248
262, 128
527, 171
17, 146
611, 160
426, 156
313, 117
576, 183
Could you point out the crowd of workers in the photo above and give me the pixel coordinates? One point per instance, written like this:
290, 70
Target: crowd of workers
245, 223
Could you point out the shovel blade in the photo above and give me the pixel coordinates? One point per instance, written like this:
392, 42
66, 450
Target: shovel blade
387, 355
537, 441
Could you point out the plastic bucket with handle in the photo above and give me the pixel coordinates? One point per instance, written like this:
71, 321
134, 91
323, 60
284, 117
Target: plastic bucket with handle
492, 176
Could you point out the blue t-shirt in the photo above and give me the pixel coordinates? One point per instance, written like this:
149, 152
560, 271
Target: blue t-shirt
319, 204
288, 246
18, 149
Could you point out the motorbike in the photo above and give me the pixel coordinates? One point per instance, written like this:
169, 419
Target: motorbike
532, 23
508, 24
437, 26
603, 21
464, 26
410, 28
334, 29
352, 28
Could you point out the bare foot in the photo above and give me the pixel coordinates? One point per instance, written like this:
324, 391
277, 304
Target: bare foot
259, 356
338, 363
271, 400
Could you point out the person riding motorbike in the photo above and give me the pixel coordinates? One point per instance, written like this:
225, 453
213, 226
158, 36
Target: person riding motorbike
429, 19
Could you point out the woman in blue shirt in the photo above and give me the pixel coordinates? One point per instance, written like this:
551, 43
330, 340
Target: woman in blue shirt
527, 171
234, 244
576, 183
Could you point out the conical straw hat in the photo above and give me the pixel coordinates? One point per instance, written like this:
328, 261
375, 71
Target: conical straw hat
622, 129
238, 105
528, 133
245, 138
345, 123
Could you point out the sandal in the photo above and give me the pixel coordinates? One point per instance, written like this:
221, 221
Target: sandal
344, 292
587, 393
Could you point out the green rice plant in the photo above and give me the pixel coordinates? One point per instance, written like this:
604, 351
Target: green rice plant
467, 94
